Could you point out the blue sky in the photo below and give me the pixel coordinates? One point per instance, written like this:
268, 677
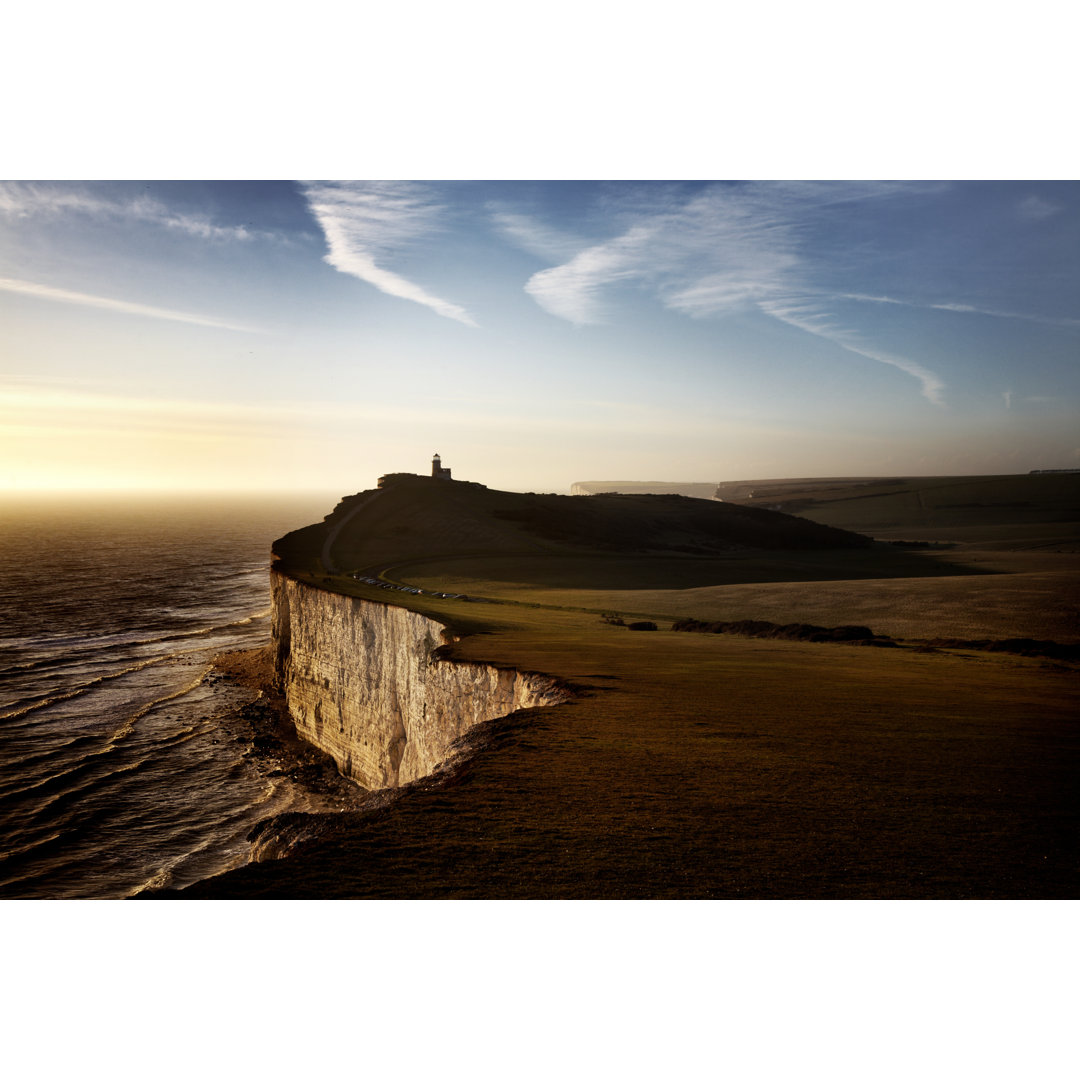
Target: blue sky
281, 335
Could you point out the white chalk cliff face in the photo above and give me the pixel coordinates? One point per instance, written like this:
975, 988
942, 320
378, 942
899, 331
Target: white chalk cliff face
362, 684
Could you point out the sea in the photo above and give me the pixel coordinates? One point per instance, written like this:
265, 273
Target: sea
121, 766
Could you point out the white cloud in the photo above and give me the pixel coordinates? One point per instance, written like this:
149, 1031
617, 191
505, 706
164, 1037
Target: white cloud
963, 309
873, 299
22, 199
807, 314
966, 308
711, 253
534, 236
572, 291
66, 296
717, 293
721, 250
715, 251
365, 222
1036, 208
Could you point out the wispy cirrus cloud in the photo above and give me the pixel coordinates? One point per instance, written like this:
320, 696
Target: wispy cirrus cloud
809, 314
963, 309
573, 290
710, 253
535, 237
366, 224
67, 296
724, 249
707, 253
1036, 208
21, 199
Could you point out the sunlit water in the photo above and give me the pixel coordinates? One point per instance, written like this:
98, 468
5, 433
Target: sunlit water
119, 764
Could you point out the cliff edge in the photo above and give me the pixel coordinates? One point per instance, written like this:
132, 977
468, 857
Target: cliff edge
369, 683
363, 682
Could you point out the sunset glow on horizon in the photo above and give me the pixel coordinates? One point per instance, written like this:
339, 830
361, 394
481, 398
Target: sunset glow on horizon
276, 336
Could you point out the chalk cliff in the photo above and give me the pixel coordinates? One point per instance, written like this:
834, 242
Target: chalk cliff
362, 683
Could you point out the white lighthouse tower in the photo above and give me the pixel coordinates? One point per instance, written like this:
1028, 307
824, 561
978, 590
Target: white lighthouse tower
437, 471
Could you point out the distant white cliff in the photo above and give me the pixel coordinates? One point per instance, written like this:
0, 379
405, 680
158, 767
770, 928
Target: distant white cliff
691, 489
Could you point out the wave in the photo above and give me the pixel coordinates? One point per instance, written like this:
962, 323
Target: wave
29, 851
265, 614
33, 703
121, 763
183, 869
18, 768
60, 764
128, 725
61, 648
41, 703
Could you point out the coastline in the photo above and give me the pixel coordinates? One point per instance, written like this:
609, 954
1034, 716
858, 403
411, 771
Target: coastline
271, 735
262, 725
340, 806
706, 766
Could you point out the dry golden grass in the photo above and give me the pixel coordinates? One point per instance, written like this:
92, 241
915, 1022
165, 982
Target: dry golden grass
715, 766
711, 767
924, 502
1018, 596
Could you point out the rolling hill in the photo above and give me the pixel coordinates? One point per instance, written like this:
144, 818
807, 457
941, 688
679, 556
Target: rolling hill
711, 765
416, 516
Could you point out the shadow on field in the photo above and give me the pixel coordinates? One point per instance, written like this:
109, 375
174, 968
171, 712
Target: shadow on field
881, 561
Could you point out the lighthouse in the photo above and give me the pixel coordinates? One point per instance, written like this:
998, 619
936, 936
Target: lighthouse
437, 471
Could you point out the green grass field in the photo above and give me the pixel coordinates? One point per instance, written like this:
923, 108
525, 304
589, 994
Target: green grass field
713, 766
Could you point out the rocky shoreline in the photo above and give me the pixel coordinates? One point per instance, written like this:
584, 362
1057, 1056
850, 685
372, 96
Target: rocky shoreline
267, 730
340, 805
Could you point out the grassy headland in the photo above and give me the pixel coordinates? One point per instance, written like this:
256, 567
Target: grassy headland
708, 765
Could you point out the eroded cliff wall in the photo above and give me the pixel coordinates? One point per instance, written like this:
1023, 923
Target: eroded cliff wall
361, 683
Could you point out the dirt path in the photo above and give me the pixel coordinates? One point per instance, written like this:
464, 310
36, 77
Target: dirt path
324, 556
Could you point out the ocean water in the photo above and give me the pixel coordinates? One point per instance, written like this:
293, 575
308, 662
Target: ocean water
119, 763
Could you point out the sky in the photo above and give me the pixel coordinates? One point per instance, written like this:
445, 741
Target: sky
275, 336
